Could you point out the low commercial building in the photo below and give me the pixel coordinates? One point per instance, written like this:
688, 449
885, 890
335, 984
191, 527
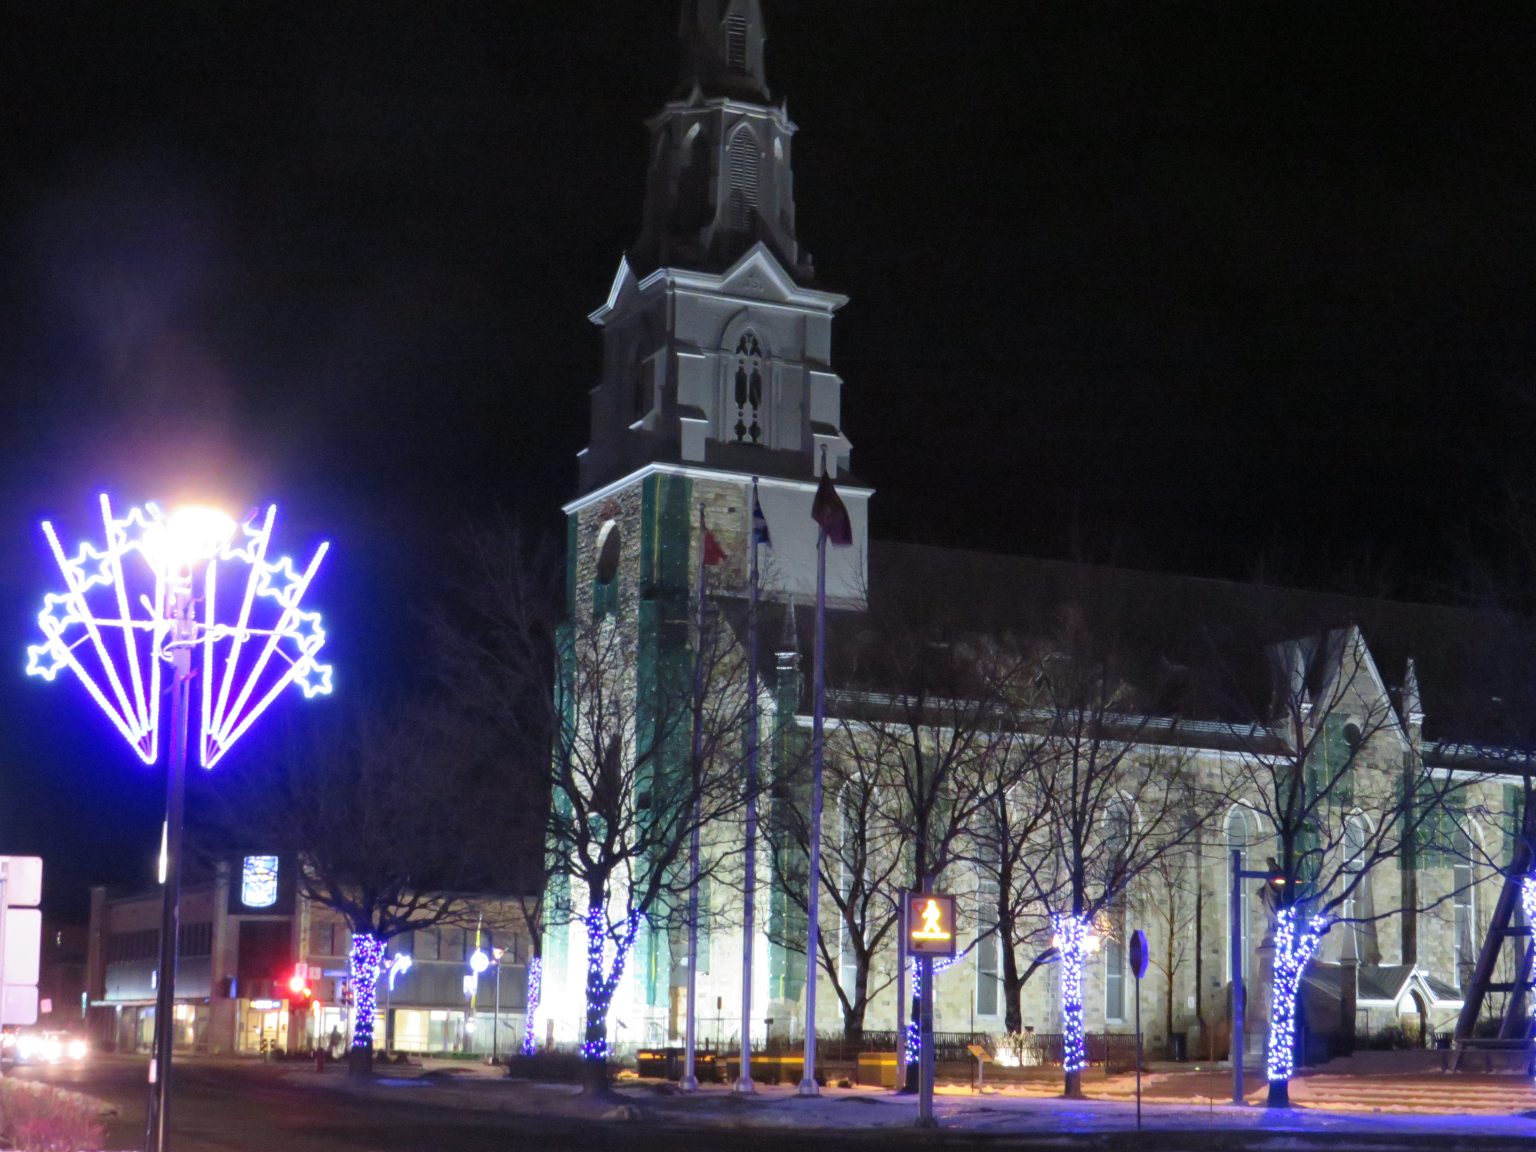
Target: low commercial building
262, 969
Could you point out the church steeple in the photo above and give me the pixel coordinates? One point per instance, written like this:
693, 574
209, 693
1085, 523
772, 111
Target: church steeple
720, 178
717, 379
723, 49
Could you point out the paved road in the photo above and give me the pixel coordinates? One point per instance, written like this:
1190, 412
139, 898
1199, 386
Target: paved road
228, 1106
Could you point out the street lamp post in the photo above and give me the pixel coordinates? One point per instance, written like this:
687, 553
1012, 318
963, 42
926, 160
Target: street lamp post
1239, 985
179, 651
114, 626
478, 963
496, 955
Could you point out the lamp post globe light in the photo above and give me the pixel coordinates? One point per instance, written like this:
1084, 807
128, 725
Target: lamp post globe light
149, 597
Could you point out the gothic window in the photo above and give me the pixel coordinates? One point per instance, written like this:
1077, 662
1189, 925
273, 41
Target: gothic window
1360, 943
605, 588
706, 924
848, 845
743, 200
1239, 839
736, 42
988, 942
1463, 909
1117, 839
747, 380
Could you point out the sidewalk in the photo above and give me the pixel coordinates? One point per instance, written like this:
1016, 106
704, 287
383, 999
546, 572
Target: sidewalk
1181, 1104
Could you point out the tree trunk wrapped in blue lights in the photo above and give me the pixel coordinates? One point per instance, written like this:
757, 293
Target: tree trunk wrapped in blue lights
367, 962
1297, 938
912, 1034
535, 987
602, 978
1070, 935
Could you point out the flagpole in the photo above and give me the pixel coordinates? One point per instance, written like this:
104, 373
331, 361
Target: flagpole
690, 1082
808, 1086
744, 1083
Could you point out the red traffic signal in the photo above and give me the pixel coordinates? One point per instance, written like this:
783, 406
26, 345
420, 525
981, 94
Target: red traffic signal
298, 984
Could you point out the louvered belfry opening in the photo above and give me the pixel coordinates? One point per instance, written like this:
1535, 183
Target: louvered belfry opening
743, 203
736, 42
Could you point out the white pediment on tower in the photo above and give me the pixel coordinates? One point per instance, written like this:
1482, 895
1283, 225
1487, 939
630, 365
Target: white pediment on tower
624, 287
758, 275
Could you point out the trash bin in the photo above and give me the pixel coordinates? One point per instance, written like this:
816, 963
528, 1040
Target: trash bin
1178, 1046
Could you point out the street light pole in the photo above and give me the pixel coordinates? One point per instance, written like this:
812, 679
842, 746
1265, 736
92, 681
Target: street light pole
179, 651
496, 955
1239, 993
1275, 880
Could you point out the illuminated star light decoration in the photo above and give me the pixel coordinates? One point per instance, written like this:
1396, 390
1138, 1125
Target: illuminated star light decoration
367, 962
1070, 934
912, 1039
600, 984
1295, 945
535, 986
399, 965
1528, 898
112, 627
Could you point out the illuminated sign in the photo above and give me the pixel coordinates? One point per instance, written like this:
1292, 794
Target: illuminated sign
258, 881
930, 919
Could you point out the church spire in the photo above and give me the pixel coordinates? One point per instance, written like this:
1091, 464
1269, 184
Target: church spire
720, 178
723, 49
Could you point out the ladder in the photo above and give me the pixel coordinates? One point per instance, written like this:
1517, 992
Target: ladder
1515, 1029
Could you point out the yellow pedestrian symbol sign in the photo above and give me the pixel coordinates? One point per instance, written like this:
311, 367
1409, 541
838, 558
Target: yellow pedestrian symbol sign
930, 924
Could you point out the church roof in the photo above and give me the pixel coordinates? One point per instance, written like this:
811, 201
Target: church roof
1198, 648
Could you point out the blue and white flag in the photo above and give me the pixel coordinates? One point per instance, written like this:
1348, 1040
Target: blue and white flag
760, 524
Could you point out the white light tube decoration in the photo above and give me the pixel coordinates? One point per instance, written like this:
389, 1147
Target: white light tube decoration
112, 624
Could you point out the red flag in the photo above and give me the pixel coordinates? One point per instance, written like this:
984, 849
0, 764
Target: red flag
713, 553
827, 509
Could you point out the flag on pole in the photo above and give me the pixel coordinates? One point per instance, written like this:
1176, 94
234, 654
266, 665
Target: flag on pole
713, 553
828, 510
759, 523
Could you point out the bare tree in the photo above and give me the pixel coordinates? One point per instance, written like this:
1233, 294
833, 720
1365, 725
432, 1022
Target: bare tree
860, 861
1174, 903
370, 799
1016, 882
493, 644
931, 735
1123, 795
1336, 803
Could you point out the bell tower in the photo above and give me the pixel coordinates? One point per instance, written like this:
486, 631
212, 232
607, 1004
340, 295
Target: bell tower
717, 344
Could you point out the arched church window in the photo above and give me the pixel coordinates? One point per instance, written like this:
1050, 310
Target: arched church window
1357, 901
736, 42
605, 591
747, 379
744, 162
1464, 909
1240, 837
1117, 841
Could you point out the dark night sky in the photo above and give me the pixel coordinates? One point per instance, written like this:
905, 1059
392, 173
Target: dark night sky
1187, 284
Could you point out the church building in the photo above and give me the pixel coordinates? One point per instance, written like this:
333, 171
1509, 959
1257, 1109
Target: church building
718, 375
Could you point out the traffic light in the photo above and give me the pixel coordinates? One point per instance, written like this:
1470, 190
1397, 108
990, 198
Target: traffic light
298, 985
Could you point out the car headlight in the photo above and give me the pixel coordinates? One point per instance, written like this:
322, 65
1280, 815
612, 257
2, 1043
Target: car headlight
77, 1049
53, 1051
